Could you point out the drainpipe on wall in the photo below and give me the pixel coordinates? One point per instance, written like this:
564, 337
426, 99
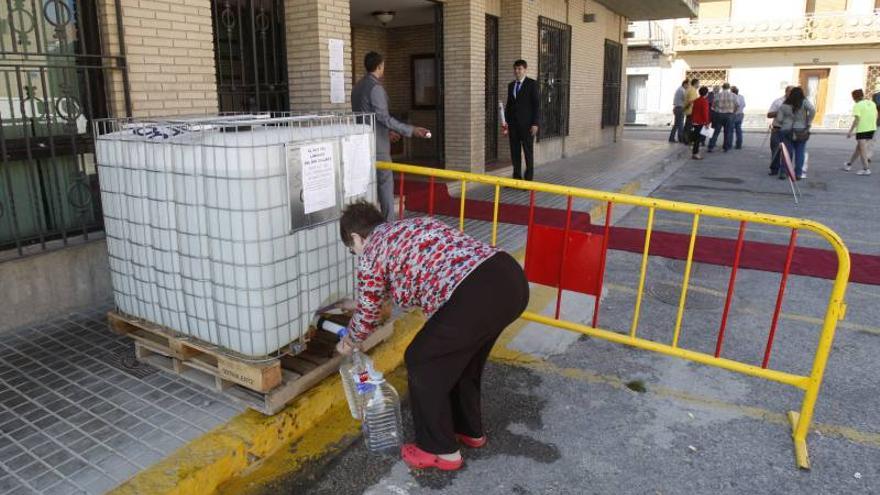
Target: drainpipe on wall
623, 88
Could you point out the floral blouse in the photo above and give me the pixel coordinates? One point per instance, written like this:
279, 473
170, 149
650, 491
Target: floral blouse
417, 262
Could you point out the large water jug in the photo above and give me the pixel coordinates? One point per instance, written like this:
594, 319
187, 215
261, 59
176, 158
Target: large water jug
382, 425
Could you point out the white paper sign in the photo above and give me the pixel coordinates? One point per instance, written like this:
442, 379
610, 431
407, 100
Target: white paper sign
318, 177
357, 164
336, 54
337, 87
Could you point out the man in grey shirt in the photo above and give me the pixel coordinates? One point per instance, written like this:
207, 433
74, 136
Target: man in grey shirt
369, 96
677, 132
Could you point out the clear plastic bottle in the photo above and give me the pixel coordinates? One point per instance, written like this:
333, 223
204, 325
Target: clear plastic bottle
353, 370
382, 425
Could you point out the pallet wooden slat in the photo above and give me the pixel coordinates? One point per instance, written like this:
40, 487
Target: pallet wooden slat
263, 386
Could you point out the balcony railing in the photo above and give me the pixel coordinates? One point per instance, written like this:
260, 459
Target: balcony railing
807, 30
650, 34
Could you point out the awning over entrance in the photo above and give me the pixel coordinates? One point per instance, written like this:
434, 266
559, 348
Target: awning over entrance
640, 10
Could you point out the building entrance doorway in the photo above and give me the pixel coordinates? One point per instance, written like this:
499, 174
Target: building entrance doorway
409, 35
815, 85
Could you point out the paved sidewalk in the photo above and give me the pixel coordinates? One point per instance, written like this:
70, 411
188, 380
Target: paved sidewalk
78, 415
590, 417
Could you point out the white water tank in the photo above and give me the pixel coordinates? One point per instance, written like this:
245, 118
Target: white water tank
206, 225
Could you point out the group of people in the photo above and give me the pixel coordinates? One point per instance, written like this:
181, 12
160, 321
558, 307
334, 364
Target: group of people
695, 108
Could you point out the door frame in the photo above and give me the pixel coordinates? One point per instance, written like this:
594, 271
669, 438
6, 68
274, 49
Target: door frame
824, 74
634, 105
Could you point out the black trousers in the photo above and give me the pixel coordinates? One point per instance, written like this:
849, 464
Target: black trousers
521, 143
695, 131
445, 360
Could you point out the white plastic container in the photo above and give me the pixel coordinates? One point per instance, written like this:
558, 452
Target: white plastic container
199, 226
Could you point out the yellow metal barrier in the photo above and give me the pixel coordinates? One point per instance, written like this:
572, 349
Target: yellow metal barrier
836, 309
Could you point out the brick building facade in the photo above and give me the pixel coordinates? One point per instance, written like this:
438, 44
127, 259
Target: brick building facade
169, 49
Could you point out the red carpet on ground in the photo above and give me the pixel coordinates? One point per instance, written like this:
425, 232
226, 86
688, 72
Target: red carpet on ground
810, 262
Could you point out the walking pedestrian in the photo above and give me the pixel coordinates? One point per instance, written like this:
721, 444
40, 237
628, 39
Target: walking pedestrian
864, 125
369, 96
700, 118
690, 97
522, 113
738, 117
725, 107
469, 291
775, 133
678, 101
795, 119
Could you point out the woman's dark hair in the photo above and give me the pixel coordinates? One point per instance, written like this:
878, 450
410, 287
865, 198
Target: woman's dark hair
704, 91
858, 95
795, 98
360, 218
372, 60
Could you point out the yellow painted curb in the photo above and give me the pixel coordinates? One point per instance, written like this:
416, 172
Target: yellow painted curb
223, 453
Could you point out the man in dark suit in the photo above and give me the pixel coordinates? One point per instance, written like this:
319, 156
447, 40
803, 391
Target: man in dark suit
522, 112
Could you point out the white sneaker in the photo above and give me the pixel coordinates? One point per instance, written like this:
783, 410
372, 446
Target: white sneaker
802, 176
847, 167
864, 171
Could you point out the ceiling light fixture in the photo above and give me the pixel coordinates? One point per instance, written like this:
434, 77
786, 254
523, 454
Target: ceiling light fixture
384, 16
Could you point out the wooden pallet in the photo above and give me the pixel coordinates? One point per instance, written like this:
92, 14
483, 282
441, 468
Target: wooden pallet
266, 386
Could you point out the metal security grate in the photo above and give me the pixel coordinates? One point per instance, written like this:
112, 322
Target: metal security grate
611, 84
708, 77
53, 78
554, 68
250, 55
872, 80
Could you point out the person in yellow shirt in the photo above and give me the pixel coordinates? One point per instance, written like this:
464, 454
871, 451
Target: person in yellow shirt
689, 98
864, 125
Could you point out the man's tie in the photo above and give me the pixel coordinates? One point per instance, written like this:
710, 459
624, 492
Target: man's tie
516, 88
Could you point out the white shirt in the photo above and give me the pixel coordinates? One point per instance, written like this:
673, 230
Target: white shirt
740, 104
774, 108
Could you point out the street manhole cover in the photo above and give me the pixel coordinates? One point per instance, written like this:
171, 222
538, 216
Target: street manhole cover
125, 361
677, 267
669, 293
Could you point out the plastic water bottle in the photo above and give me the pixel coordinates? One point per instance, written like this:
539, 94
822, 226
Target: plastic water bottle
382, 426
353, 370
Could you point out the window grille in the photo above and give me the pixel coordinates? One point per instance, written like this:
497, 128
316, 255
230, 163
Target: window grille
554, 68
708, 77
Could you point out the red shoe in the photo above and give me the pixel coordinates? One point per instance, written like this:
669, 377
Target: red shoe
472, 442
417, 458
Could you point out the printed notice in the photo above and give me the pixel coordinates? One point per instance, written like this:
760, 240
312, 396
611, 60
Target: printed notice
357, 160
337, 87
337, 55
318, 177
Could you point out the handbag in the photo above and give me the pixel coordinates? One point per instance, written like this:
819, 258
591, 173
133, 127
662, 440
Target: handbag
800, 134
